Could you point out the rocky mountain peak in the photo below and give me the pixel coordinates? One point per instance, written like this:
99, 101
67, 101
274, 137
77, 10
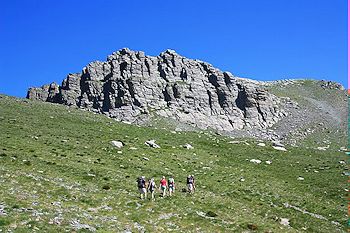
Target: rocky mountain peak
131, 86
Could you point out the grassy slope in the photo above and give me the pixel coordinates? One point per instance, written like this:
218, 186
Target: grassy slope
54, 162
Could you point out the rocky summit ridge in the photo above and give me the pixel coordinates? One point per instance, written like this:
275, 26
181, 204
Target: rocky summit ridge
130, 86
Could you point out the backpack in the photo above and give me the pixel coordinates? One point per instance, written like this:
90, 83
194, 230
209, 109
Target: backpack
141, 183
171, 182
152, 186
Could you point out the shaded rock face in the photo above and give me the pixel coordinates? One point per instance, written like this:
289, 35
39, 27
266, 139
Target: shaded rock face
130, 85
49, 93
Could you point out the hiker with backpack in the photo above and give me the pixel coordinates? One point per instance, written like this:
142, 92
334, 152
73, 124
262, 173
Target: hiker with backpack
191, 184
141, 184
151, 187
163, 186
171, 184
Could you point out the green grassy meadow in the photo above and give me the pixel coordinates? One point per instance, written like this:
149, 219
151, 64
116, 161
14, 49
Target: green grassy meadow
60, 173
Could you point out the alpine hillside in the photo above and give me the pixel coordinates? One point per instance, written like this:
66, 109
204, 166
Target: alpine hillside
191, 94
67, 170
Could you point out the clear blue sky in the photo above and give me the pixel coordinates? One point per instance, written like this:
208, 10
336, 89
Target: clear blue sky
43, 41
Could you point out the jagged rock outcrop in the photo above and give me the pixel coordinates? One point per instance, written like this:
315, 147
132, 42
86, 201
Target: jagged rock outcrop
130, 85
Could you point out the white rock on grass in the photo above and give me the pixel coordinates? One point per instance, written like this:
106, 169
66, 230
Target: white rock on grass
139, 227
261, 144
166, 216
300, 178
284, 221
322, 148
117, 144
279, 148
277, 144
342, 162
234, 142
77, 226
188, 146
255, 161
152, 143
268, 162
200, 213
145, 158
2, 209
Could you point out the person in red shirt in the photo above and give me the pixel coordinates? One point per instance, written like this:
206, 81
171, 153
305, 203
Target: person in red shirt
163, 185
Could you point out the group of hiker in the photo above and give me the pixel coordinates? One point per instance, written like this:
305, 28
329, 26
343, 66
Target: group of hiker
164, 185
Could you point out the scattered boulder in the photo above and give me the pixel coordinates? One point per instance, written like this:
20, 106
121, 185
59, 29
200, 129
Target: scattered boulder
117, 144
139, 227
268, 162
78, 226
284, 221
277, 144
234, 142
166, 216
324, 148
188, 146
261, 144
255, 161
145, 158
300, 178
2, 210
152, 143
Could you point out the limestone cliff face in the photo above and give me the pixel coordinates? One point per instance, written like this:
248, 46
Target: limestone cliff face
130, 85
